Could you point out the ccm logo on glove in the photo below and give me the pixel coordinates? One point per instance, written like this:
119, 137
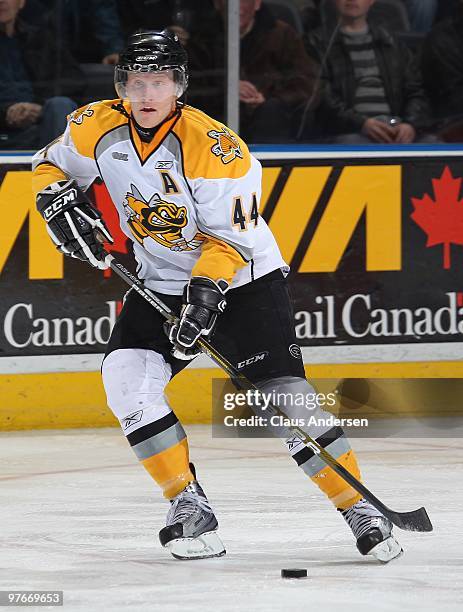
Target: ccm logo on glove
73, 223
59, 203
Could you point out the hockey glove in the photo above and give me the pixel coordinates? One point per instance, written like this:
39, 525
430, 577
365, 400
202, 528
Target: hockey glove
73, 223
203, 300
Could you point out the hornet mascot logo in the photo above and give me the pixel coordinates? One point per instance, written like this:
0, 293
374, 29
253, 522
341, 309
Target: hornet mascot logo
160, 220
79, 115
227, 146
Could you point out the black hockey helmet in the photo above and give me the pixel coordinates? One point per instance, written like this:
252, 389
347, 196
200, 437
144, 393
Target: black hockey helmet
152, 51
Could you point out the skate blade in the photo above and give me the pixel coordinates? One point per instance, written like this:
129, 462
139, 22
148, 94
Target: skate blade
386, 550
203, 547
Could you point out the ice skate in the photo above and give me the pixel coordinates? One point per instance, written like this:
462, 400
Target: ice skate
373, 532
191, 526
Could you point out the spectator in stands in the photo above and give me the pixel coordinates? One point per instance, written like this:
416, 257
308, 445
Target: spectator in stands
443, 74
276, 75
373, 88
91, 28
38, 78
181, 16
310, 14
421, 14
447, 8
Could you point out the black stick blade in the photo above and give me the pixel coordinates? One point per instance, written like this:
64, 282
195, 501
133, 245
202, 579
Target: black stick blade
417, 520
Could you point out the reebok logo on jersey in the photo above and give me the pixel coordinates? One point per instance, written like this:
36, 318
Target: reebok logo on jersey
251, 360
227, 147
164, 165
133, 418
120, 156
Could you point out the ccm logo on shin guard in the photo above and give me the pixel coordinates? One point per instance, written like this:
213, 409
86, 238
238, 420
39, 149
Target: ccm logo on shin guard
57, 205
133, 418
295, 351
251, 360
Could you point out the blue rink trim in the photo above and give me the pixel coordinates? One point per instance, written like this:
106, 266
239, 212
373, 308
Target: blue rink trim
405, 148
292, 152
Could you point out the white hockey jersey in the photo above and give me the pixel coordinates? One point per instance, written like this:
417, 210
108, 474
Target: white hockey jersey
188, 199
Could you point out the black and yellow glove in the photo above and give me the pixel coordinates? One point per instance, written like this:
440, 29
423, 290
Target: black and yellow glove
73, 223
203, 300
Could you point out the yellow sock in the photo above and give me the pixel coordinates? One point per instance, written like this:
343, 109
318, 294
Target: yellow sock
171, 468
338, 491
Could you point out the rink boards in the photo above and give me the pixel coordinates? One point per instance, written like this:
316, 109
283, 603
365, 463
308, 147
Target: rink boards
376, 257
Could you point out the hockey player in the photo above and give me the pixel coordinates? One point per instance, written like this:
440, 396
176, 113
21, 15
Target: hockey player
187, 192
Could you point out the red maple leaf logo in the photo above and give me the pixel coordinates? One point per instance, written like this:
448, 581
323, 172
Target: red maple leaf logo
109, 212
442, 218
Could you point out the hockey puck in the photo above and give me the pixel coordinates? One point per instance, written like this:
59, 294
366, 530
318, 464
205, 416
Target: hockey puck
294, 573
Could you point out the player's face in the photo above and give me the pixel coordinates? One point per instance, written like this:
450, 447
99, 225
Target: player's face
152, 96
9, 9
353, 8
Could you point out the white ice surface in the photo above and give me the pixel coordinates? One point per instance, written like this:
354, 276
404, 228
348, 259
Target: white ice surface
79, 514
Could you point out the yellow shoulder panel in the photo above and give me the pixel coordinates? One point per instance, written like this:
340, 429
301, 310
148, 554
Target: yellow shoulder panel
45, 174
210, 149
89, 123
218, 260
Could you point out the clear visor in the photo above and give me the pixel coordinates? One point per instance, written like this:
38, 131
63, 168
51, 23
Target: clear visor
149, 85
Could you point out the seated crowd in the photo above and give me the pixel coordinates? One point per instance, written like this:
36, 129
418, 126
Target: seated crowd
322, 71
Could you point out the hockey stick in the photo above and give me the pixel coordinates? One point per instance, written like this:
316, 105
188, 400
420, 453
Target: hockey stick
417, 520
